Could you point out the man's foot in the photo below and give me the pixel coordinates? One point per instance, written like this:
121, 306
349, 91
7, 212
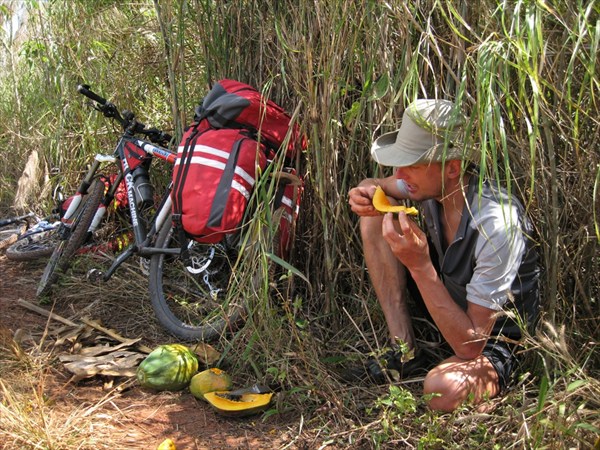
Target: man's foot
388, 367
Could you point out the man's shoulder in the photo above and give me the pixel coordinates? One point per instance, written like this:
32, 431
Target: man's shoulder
489, 197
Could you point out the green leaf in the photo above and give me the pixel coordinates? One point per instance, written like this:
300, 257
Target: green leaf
588, 427
542, 393
351, 114
576, 384
381, 87
287, 266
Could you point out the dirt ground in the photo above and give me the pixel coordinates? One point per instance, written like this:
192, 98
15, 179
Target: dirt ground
133, 418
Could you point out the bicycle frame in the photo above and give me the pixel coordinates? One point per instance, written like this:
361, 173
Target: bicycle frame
142, 238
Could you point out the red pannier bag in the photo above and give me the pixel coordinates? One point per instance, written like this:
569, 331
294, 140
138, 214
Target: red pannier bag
288, 197
214, 177
233, 104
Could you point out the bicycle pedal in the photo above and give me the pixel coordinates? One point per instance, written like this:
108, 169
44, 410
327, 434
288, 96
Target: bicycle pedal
94, 275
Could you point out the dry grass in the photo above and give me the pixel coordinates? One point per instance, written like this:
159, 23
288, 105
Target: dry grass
36, 412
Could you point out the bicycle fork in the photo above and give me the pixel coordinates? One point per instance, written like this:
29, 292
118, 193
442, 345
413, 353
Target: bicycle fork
82, 190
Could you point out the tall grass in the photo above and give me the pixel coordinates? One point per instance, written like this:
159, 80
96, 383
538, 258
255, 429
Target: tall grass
525, 72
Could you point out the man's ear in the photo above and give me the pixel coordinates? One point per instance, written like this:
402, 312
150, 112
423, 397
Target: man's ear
453, 168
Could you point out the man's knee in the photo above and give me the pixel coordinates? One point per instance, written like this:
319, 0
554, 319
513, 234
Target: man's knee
370, 227
443, 389
453, 382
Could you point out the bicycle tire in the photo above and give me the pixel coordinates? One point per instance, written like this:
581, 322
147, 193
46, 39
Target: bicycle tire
11, 232
181, 303
76, 235
33, 246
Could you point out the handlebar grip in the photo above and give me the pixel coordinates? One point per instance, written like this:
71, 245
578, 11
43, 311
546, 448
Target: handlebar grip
85, 90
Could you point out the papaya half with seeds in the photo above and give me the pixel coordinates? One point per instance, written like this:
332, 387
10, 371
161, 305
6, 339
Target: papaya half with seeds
383, 205
242, 405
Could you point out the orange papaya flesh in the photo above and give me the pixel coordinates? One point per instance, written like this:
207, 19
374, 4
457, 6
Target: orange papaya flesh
383, 205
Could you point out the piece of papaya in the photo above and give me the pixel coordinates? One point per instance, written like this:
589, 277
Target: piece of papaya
227, 404
209, 380
382, 204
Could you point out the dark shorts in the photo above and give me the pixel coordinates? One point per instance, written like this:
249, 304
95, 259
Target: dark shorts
503, 359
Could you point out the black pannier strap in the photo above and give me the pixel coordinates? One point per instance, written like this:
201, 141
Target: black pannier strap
184, 162
224, 187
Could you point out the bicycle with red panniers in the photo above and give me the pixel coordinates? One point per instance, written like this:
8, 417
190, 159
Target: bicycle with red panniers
190, 275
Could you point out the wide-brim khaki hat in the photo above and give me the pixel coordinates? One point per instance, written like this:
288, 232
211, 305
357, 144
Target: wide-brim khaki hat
431, 131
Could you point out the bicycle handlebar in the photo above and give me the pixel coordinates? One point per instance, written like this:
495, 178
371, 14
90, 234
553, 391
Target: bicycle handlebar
127, 119
85, 90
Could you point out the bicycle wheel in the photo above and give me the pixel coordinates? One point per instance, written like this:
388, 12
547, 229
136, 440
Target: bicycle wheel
33, 246
71, 238
10, 233
189, 299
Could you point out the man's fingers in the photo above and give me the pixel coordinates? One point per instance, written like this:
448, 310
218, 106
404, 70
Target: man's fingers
391, 230
361, 200
405, 223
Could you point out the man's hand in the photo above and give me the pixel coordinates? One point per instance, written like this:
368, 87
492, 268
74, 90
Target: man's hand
407, 241
361, 200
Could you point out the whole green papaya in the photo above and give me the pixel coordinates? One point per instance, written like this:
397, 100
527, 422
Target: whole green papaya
169, 367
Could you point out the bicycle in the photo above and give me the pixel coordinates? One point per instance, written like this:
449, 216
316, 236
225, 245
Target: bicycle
97, 192
29, 237
182, 274
39, 240
33, 237
13, 227
35, 243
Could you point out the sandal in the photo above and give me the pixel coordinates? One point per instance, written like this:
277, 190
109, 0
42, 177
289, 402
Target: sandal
389, 367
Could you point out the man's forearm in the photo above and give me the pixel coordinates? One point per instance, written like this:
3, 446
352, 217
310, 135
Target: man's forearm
457, 327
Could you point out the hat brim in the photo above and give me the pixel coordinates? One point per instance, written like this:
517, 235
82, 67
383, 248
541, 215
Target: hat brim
412, 145
387, 152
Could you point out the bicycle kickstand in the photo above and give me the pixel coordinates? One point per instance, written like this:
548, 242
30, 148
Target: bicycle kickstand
95, 275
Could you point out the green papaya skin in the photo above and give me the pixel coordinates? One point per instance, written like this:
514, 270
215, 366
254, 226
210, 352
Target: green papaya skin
169, 367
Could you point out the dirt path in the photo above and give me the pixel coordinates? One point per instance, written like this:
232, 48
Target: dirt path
133, 418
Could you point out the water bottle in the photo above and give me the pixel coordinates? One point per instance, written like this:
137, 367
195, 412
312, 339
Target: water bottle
144, 192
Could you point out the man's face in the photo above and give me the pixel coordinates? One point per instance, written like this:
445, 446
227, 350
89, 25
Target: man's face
423, 181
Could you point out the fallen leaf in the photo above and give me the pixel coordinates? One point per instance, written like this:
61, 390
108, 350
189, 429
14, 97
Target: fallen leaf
206, 353
116, 364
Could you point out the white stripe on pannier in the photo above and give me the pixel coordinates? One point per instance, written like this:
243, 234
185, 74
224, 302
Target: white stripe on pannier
241, 189
221, 166
200, 148
288, 202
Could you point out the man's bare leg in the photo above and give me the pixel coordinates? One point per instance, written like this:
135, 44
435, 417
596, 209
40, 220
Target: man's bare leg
388, 277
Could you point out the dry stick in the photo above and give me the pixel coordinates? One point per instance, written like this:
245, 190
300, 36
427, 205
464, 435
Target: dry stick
91, 323
113, 334
45, 312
